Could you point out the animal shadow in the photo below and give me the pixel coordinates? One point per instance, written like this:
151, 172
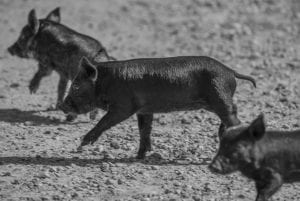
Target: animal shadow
14, 115
61, 161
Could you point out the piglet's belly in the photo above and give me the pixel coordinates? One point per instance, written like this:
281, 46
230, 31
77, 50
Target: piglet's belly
173, 106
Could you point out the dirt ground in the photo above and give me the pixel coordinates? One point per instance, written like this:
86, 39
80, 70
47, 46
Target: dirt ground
38, 160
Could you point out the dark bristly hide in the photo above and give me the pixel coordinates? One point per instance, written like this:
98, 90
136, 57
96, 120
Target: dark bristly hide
153, 85
55, 47
270, 158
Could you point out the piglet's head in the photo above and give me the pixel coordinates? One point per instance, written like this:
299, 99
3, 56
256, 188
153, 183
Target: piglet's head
236, 149
26, 43
81, 96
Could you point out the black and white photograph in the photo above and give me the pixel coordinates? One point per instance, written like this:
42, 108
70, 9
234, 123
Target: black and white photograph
149, 100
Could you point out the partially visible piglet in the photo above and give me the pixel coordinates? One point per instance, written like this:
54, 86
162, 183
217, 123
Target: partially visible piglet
55, 47
270, 158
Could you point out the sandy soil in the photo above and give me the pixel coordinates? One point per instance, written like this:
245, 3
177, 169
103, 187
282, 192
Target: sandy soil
37, 148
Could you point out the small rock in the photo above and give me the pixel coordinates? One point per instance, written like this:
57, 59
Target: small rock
47, 132
185, 121
43, 175
120, 181
184, 195
53, 169
196, 198
153, 167
109, 182
162, 121
167, 191
14, 85
75, 195
61, 129
106, 155
57, 197
178, 192
294, 125
104, 167
6, 174
55, 138
241, 196
156, 156
45, 199
115, 145
15, 182
27, 123
176, 183
99, 148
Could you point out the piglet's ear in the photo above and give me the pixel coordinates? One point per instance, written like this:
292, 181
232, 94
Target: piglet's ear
257, 128
33, 22
54, 15
88, 70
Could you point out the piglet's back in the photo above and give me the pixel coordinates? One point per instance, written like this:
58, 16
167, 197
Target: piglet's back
281, 150
170, 67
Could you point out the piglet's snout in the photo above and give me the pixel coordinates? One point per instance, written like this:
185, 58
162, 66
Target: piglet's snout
65, 106
10, 50
215, 166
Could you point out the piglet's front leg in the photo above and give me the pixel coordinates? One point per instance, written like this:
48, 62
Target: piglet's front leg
35, 82
111, 118
267, 184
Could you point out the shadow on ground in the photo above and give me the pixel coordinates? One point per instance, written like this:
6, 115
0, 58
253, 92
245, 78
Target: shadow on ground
13, 115
61, 161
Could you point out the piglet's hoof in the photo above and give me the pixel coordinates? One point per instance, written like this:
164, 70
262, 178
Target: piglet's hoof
79, 149
70, 117
93, 115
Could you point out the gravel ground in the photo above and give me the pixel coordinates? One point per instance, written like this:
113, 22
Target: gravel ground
38, 160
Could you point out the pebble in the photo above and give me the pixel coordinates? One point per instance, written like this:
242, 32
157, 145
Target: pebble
156, 156
99, 148
185, 121
14, 85
176, 183
27, 123
108, 156
15, 182
55, 138
120, 181
196, 198
285, 126
241, 196
43, 175
61, 129
145, 199
104, 167
109, 182
167, 191
6, 174
115, 145
45, 199
47, 132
